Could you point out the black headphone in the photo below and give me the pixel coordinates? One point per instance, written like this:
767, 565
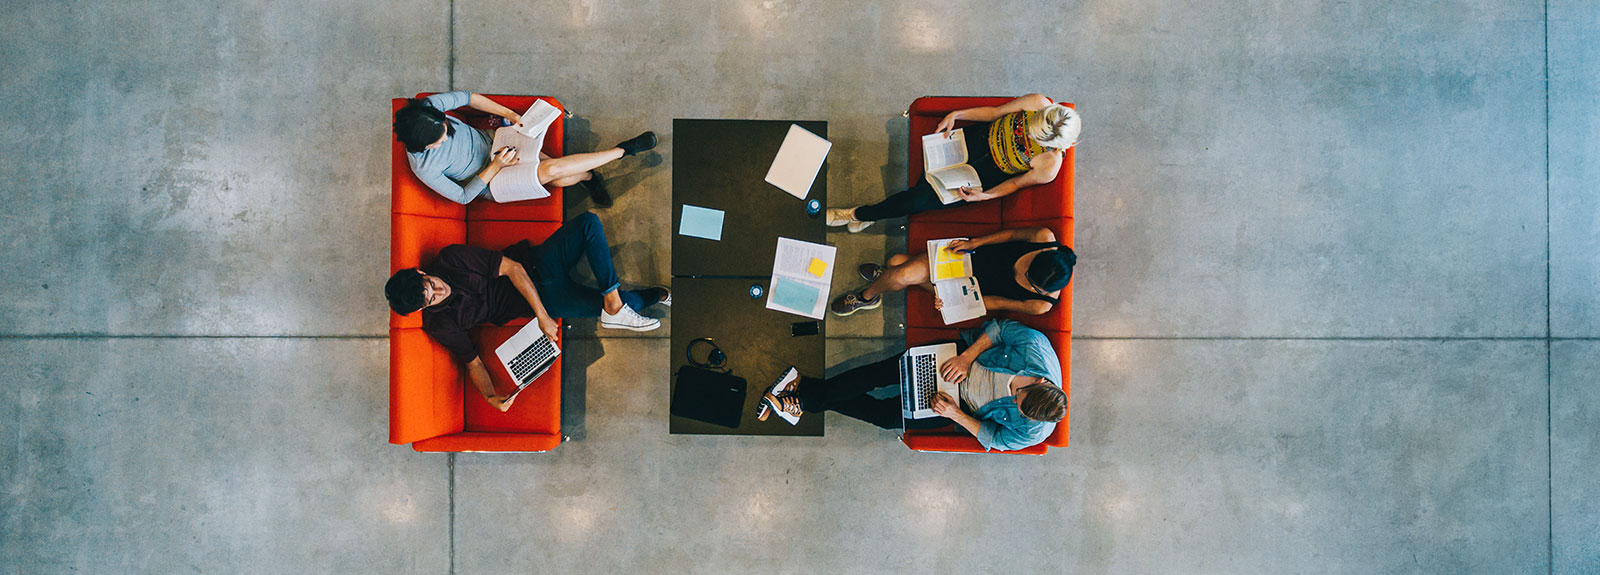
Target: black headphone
714, 360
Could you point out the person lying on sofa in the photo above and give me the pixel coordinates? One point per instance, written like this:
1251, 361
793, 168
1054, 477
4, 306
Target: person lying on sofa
1009, 395
1013, 146
1021, 270
466, 286
454, 159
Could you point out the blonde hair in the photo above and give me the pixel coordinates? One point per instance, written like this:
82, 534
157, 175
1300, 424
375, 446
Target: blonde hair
1056, 126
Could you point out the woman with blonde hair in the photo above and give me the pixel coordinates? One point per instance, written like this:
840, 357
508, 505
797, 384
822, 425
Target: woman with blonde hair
1013, 146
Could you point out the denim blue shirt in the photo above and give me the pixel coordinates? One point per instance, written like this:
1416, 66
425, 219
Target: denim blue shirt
1018, 350
462, 156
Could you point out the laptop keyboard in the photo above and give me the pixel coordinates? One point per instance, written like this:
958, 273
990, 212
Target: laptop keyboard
924, 380
526, 364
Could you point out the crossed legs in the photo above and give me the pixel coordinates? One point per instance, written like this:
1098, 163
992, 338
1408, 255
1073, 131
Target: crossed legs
571, 169
904, 271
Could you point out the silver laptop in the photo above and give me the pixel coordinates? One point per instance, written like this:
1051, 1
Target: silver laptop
527, 355
920, 379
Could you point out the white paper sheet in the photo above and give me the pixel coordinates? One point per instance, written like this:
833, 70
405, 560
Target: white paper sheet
798, 161
521, 181
802, 275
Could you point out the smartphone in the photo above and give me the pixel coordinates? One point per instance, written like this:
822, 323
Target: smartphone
800, 328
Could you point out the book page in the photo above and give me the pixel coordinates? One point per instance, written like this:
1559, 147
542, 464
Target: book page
521, 181
944, 263
538, 119
946, 181
802, 275
939, 152
959, 299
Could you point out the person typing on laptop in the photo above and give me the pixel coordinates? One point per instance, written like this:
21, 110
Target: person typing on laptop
1008, 378
466, 286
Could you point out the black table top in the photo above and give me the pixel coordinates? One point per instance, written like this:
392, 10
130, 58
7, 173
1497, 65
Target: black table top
758, 344
721, 164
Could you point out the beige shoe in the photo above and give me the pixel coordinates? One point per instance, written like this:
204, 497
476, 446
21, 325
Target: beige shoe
846, 217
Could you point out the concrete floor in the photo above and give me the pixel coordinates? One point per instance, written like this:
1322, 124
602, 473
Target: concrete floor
1338, 309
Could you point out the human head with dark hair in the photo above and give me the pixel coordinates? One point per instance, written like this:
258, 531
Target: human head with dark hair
1043, 401
407, 291
1052, 269
420, 126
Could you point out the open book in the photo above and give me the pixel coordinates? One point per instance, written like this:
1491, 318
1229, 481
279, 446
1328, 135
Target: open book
945, 159
521, 181
951, 274
802, 275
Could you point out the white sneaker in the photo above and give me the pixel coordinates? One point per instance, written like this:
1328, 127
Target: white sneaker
666, 301
628, 319
782, 385
846, 217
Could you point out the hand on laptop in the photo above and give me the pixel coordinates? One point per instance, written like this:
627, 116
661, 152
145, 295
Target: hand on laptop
954, 370
944, 405
550, 327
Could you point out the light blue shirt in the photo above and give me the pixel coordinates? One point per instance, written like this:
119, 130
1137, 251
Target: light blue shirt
1018, 350
463, 155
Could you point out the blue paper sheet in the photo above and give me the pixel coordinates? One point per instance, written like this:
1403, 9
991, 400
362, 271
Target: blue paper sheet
795, 295
701, 223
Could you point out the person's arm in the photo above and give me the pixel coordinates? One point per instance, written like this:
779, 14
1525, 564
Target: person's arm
1030, 102
1033, 234
948, 408
1031, 307
519, 278
482, 103
480, 379
955, 369
1042, 170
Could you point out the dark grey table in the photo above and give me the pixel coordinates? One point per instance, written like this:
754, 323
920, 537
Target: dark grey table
720, 164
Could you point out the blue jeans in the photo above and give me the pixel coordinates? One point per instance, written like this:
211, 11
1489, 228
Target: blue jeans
552, 261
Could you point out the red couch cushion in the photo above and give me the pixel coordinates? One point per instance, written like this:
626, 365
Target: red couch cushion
537, 409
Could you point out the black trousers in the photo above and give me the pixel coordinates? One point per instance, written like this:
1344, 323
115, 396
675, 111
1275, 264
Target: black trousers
846, 394
922, 198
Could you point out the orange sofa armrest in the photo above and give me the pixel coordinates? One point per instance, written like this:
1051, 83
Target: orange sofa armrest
468, 441
425, 393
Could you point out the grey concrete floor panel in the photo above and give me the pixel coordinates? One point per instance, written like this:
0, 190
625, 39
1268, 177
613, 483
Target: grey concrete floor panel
1575, 449
182, 169
211, 456
1188, 457
1308, 457
1574, 169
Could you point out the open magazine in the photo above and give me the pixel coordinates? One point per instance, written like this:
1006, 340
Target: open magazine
521, 181
802, 275
953, 284
945, 159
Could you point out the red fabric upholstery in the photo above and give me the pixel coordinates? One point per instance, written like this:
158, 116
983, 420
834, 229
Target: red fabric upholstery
1048, 205
424, 387
432, 404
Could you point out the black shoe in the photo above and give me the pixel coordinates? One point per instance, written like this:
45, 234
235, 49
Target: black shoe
597, 190
638, 143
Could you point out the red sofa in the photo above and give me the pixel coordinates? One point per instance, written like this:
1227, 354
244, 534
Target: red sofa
1048, 205
432, 404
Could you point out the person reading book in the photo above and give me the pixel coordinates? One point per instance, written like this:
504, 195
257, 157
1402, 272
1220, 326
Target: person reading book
466, 285
1012, 146
456, 160
1009, 378
1021, 270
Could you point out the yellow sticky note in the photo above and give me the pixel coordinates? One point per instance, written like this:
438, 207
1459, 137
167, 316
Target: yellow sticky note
817, 267
950, 270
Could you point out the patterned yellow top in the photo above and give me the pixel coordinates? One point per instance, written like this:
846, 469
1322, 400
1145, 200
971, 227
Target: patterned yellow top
1010, 145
